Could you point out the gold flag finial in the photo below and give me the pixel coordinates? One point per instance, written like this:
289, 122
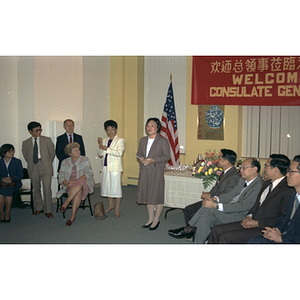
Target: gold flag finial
171, 77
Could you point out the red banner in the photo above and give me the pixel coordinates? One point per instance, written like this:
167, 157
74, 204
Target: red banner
246, 80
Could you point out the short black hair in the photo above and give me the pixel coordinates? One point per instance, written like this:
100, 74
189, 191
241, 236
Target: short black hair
255, 163
110, 123
33, 124
157, 121
297, 159
281, 162
230, 155
4, 148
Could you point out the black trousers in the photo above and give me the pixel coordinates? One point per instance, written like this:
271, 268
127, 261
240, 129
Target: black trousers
232, 233
190, 210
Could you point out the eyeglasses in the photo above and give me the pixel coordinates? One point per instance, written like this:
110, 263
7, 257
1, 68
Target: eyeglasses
291, 171
245, 167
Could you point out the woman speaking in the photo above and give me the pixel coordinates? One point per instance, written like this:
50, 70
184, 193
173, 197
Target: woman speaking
153, 153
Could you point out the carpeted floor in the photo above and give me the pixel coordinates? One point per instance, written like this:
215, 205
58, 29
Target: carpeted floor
27, 229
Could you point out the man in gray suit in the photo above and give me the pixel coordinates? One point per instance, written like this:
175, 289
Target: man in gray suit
39, 154
226, 182
226, 208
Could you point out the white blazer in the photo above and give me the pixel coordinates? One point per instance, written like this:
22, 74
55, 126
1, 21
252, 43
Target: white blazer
114, 154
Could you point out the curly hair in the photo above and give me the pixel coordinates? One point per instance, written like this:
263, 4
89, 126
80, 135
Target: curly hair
70, 147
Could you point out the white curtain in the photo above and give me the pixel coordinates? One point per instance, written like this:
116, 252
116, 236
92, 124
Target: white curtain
156, 84
270, 129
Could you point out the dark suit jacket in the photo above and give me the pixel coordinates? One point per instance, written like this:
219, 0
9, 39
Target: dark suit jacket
228, 181
62, 142
47, 154
290, 229
274, 205
14, 169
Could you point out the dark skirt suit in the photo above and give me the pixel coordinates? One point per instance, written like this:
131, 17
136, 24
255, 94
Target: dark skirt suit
151, 177
15, 171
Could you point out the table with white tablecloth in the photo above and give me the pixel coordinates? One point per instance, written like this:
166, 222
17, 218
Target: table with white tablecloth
182, 189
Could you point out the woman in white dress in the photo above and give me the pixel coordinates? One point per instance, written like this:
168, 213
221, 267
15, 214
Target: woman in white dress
110, 151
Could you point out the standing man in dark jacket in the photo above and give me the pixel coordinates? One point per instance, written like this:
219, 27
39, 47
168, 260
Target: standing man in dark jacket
68, 137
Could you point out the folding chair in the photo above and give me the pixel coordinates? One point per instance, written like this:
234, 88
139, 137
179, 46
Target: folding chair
84, 203
25, 191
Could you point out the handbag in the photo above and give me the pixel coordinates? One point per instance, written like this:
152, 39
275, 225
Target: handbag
99, 212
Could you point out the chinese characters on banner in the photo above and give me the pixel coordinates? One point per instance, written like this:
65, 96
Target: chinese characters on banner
210, 122
246, 80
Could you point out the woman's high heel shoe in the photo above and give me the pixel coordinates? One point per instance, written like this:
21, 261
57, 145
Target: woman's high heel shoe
109, 209
147, 226
69, 222
155, 227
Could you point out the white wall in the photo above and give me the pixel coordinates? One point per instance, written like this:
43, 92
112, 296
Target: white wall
54, 88
96, 73
8, 101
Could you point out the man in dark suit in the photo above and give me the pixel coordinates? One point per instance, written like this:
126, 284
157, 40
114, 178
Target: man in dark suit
270, 205
226, 208
68, 137
287, 229
39, 154
226, 182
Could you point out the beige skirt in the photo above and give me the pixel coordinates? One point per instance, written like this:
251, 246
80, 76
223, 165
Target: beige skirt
111, 184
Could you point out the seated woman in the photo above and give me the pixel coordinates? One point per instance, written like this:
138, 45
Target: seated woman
77, 179
11, 173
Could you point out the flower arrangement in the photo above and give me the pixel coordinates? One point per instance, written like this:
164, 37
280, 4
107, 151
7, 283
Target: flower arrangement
208, 171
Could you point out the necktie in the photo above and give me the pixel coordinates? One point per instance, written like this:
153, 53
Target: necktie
70, 138
296, 204
236, 198
268, 193
270, 189
35, 152
220, 177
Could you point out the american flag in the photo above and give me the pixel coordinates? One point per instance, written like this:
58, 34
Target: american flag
169, 127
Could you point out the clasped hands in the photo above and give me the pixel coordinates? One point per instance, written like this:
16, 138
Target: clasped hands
248, 222
6, 179
69, 183
208, 201
272, 234
145, 161
101, 146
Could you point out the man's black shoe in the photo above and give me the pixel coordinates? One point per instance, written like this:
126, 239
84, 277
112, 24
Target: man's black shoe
180, 233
